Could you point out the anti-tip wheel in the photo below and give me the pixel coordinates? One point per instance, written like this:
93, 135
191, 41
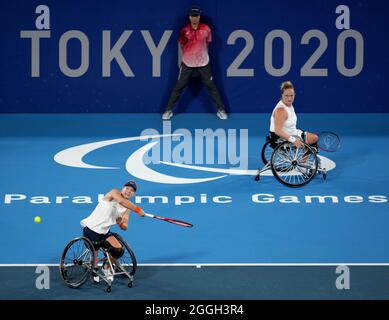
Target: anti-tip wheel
256, 177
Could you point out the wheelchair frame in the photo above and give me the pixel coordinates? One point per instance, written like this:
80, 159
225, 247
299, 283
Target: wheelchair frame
294, 162
88, 253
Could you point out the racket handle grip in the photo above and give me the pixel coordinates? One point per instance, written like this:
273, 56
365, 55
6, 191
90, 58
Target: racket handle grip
149, 215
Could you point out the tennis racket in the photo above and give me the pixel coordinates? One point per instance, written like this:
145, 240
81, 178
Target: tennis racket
177, 222
328, 141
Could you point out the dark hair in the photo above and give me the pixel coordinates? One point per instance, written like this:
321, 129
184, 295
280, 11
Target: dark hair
286, 85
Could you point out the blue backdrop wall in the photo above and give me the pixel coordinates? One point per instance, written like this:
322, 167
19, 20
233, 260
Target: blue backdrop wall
122, 56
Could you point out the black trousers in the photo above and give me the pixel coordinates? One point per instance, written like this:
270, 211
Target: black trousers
183, 79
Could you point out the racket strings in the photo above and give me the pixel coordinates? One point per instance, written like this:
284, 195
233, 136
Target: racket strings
329, 141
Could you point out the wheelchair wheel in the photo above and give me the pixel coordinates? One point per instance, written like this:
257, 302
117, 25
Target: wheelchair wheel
266, 152
127, 262
293, 166
77, 262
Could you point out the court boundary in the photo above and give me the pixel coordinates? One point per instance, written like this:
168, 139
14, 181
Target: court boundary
222, 264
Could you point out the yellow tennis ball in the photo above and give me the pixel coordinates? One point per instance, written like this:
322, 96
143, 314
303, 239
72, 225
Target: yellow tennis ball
37, 219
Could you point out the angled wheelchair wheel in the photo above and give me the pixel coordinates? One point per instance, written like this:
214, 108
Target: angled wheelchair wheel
126, 264
77, 262
293, 166
266, 152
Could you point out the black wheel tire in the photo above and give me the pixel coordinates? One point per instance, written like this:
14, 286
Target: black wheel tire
129, 250
263, 153
130, 284
108, 290
256, 177
64, 274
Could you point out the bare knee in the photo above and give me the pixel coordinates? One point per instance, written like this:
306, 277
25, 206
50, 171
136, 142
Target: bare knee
114, 242
312, 138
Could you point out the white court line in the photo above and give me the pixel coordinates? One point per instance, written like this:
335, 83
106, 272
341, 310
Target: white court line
222, 264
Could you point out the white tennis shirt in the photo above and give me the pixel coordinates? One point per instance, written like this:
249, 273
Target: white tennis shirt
103, 216
290, 123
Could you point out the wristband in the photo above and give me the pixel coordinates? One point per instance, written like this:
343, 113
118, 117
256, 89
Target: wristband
122, 226
137, 209
292, 139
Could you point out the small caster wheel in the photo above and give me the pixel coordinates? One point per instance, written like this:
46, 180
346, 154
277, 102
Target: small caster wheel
130, 284
256, 177
324, 176
108, 290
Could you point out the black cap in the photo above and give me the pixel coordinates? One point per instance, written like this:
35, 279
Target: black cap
194, 11
132, 184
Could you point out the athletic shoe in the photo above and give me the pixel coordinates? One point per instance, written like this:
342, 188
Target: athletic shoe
96, 277
167, 115
108, 274
222, 115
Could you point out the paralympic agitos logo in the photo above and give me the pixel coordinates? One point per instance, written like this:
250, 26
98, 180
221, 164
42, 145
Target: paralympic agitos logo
226, 148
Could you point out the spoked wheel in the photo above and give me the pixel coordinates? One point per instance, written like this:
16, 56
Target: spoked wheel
126, 264
76, 262
293, 166
266, 152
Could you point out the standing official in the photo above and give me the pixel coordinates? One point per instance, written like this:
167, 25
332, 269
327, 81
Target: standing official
194, 40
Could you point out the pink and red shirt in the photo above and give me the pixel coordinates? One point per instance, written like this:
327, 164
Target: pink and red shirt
195, 45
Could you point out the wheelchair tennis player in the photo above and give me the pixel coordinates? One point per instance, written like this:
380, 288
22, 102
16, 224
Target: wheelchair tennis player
283, 121
113, 209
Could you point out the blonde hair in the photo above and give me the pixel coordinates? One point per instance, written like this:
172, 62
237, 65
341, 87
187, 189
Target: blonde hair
286, 85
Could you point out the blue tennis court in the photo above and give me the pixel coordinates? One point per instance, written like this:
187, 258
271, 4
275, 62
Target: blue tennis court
236, 220
179, 97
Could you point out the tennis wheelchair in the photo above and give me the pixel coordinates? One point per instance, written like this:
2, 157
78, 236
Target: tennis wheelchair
292, 166
79, 258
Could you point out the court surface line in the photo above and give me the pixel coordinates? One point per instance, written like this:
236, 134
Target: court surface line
220, 264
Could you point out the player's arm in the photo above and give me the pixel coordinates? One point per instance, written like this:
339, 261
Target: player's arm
116, 195
280, 116
123, 220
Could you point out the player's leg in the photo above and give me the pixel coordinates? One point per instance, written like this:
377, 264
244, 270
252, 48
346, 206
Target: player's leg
183, 79
115, 250
311, 138
207, 79
114, 243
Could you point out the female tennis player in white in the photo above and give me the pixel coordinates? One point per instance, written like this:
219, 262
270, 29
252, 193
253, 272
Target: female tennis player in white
113, 209
283, 121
